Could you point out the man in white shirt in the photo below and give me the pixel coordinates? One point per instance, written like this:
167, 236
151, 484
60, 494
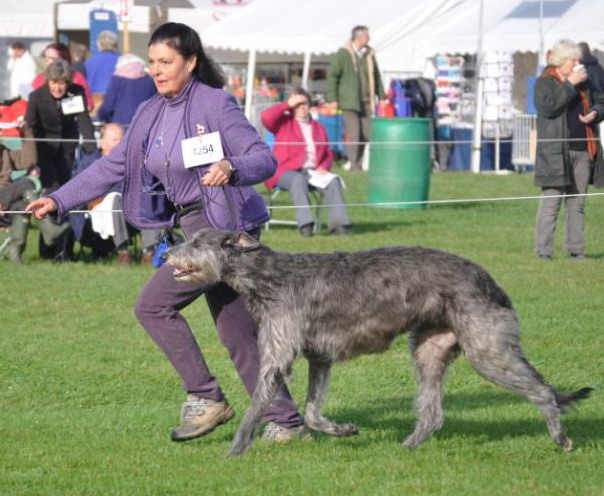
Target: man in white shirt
22, 68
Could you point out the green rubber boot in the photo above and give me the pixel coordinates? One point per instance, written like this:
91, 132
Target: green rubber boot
18, 237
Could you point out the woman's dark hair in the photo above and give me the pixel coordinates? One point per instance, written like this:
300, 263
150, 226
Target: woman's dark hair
186, 41
62, 49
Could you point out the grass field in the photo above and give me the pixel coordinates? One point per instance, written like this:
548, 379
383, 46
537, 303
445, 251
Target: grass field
87, 401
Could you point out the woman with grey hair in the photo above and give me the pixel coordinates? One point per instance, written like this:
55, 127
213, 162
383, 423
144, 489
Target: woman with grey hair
57, 115
100, 67
569, 155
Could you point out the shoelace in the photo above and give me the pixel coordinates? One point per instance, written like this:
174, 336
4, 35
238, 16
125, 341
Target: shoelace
272, 430
194, 408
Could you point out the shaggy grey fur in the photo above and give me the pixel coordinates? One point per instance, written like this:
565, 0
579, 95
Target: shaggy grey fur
333, 307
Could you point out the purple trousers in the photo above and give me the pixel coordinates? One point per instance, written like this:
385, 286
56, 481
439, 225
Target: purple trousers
158, 310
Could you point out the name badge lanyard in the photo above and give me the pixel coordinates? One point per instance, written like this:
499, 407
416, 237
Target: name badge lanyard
155, 186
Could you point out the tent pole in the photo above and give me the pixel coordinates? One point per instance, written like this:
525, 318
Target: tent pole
249, 87
125, 37
497, 147
306, 70
541, 44
476, 136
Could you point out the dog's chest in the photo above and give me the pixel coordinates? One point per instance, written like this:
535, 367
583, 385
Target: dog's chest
341, 344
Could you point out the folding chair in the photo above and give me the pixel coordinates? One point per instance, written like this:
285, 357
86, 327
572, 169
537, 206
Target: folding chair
4, 240
271, 198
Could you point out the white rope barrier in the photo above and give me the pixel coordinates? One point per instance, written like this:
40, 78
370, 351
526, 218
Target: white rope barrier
369, 204
303, 143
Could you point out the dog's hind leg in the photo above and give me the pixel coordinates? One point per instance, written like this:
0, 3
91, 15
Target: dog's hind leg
432, 351
494, 352
318, 380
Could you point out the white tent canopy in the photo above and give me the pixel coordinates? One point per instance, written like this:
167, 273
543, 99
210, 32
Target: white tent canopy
513, 25
312, 27
76, 16
26, 19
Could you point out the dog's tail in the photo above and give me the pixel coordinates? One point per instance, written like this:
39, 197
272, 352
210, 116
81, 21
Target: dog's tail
565, 401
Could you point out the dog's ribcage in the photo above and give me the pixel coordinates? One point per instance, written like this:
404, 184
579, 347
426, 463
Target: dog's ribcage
355, 303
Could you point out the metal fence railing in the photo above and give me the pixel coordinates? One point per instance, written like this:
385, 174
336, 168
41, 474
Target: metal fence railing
524, 141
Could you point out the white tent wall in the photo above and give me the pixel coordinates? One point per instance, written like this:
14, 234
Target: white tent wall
512, 25
314, 26
306, 29
205, 13
27, 18
29, 21
75, 16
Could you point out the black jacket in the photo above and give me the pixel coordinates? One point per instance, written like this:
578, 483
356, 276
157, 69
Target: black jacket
46, 120
595, 73
552, 165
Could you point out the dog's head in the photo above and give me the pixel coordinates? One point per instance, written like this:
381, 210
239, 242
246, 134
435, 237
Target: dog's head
203, 257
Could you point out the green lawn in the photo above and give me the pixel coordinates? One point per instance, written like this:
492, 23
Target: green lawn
87, 401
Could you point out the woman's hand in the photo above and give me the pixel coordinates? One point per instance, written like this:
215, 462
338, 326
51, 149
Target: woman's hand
41, 207
295, 100
577, 77
586, 119
218, 174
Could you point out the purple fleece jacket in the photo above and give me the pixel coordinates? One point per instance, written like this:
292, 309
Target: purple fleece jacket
236, 206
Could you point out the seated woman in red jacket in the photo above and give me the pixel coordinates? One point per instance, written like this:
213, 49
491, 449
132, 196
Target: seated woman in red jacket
305, 160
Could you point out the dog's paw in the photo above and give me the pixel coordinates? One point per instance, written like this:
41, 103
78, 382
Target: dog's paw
236, 450
346, 430
413, 441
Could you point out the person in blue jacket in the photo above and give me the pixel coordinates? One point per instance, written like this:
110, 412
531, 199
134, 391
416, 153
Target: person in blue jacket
100, 67
129, 86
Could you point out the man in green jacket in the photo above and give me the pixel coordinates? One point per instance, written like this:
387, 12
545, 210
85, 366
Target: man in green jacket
353, 83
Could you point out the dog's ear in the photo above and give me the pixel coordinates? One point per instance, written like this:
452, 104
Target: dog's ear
241, 241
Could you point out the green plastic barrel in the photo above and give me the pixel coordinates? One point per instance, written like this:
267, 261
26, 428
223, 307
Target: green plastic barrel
399, 161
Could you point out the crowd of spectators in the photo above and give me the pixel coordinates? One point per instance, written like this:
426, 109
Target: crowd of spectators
75, 94
72, 103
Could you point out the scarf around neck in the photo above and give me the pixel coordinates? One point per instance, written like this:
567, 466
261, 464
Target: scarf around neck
592, 147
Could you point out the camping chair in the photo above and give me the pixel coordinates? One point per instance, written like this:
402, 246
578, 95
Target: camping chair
271, 198
4, 240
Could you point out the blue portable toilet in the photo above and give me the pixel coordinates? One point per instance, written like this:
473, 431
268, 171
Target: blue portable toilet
100, 20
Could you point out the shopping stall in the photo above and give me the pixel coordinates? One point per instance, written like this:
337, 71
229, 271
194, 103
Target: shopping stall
511, 38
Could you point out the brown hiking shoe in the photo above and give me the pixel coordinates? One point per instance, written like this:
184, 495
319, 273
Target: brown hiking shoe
200, 416
124, 257
279, 434
147, 257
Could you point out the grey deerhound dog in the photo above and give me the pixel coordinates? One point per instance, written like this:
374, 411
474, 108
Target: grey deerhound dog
333, 307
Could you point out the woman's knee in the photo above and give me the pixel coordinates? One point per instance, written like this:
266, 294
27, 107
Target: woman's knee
299, 181
142, 307
148, 305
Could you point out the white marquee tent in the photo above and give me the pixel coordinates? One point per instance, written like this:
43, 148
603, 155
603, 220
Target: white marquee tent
310, 27
406, 32
514, 25
26, 18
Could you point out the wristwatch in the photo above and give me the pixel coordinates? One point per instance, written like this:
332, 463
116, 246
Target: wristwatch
232, 169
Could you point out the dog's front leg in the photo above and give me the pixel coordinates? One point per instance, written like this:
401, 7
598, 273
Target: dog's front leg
318, 380
269, 383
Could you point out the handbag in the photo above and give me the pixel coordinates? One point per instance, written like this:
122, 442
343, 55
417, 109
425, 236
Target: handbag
168, 239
